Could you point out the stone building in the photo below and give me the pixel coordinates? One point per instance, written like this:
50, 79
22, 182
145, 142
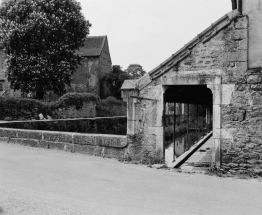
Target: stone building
87, 78
221, 67
96, 64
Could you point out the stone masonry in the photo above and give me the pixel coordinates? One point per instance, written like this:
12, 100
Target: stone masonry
219, 57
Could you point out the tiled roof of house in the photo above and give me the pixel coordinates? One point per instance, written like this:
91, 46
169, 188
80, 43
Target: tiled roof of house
93, 46
184, 52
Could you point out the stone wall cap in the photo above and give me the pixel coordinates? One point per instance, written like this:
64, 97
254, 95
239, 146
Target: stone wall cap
129, 84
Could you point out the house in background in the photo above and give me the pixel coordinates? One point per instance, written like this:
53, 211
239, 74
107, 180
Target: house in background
96, 64
88, 76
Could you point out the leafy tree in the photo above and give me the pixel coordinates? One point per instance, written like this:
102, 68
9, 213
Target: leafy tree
40, 39
135, 71
115, 80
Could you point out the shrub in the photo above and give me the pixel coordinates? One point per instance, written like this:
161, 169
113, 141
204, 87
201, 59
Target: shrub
21, 108
110, 107
73, 99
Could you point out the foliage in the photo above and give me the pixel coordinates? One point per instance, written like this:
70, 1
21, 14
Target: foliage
135, 71
40, 40
110, 107
26, 109
115, 80
110, 125
73, 99
21, 108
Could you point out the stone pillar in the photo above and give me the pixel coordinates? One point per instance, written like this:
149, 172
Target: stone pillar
127, 96
217, 97
253, 9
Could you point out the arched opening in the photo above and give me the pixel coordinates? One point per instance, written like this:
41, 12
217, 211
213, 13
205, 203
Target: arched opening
188, 111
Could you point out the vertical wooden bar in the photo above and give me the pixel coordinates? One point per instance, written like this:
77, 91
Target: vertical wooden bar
187, 124
174, 134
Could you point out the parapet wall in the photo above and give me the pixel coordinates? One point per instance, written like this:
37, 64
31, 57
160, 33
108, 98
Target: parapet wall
113, 146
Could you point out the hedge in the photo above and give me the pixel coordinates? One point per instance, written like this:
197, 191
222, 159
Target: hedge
103, 125
28, 109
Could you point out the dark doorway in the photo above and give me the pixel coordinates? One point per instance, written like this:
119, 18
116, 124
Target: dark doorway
187, 117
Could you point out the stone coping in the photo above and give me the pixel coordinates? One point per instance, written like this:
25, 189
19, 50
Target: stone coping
70, 119
40, 137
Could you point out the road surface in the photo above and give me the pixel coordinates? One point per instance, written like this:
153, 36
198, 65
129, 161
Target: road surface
37, 181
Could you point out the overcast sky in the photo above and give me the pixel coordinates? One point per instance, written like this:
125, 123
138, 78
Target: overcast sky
147, 32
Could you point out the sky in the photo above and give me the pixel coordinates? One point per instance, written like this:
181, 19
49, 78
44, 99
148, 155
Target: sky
147, 32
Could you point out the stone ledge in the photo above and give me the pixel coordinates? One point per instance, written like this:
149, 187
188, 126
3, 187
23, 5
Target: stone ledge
104, 145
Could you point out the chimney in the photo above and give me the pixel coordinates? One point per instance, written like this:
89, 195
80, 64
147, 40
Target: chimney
253, 10
237, 4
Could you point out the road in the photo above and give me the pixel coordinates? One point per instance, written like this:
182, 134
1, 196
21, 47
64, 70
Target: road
37, 181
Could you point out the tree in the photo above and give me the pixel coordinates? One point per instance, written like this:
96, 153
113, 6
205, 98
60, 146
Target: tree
115, 80
135, 71
40, 39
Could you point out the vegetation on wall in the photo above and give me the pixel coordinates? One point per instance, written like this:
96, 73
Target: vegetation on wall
111, 125
73, 99
28, 109
115, 80
21, 108
111, 107
40, 40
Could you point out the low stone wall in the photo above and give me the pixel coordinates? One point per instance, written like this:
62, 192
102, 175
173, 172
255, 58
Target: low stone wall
112, 146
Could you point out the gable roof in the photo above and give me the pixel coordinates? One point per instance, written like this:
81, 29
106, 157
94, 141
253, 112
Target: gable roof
93, 46
184, 52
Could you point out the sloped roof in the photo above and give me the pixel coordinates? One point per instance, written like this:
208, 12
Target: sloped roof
93, 46
184, 52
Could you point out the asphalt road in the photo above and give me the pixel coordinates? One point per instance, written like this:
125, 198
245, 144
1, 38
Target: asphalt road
38, 181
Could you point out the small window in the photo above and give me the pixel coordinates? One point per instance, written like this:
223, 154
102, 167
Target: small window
1, 87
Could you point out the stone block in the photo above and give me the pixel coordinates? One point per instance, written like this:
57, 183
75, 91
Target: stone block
239, 34
84, 139
113, 152
88, 149
10, 133
227, 133
143, 81
241, 23
131, 126
55, 145
57, 137
26, 142
242, 44
257, 101
217, 93
216, 117
217, 133
254, 79
240, 55
216, 152
111, 141
27, 134
227, 93
43, 144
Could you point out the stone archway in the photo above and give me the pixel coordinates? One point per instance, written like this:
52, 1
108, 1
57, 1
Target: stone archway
149, 102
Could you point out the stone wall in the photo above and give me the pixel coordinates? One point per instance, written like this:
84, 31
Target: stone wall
241, 125
113, 146
221, 63
218, 63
